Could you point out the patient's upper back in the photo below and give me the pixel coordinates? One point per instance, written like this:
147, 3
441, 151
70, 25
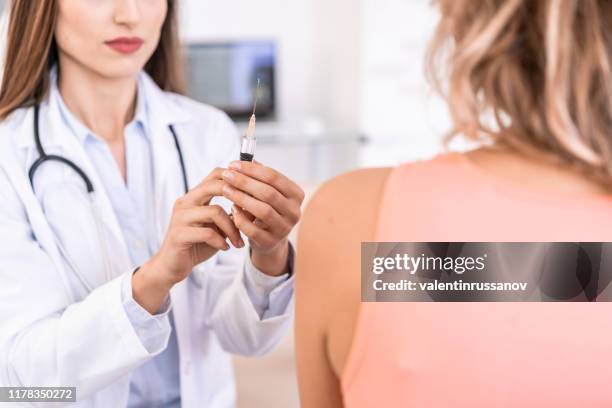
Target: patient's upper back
499, 354
449, 198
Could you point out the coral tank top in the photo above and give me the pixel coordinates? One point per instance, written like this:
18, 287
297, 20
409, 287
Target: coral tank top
471, 354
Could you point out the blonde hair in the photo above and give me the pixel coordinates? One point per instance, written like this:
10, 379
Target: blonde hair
539, 69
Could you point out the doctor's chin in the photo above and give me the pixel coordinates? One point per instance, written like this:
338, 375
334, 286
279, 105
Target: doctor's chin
318, 204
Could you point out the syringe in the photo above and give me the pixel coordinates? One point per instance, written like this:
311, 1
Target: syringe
247, 150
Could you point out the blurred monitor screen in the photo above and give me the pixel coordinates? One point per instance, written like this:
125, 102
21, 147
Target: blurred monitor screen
224, 74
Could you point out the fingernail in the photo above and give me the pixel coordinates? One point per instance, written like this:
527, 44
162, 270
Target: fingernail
226, 246
228, 174
227, 189
240, 243
235, 165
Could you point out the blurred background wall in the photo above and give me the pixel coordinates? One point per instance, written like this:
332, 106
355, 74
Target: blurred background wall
350, 84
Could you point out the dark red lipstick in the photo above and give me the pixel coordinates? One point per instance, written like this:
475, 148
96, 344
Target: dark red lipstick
125, 45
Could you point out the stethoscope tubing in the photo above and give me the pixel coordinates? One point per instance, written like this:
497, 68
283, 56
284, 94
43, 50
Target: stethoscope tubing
44, 157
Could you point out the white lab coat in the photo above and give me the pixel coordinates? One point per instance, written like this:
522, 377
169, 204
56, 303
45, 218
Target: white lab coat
54, 333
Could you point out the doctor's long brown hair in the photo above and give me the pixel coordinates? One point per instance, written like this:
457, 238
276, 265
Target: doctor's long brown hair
31, 51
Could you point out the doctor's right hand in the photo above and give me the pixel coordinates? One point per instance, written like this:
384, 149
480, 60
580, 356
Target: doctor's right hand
196, 232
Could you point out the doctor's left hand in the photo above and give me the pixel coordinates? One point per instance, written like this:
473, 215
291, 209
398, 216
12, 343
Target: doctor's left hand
267, 207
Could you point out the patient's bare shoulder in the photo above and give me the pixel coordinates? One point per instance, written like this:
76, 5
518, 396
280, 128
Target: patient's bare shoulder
336, 204
347, 203
340, 215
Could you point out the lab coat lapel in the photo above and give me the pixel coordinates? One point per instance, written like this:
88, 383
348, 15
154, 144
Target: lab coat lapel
165, 176
168, 179
162, 112
168, 187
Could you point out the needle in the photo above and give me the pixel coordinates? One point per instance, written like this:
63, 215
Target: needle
256, 97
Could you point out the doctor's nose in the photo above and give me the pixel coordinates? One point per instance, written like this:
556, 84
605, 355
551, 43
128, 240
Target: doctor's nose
127, 12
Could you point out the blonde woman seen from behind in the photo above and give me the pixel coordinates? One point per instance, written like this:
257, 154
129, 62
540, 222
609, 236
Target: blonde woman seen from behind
541, 71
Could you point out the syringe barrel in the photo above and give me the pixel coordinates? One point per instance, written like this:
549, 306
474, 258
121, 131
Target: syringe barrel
247, 150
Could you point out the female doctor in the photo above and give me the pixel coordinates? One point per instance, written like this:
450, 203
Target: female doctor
115, 274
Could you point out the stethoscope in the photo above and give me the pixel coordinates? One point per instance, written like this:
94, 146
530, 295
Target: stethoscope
44, 157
